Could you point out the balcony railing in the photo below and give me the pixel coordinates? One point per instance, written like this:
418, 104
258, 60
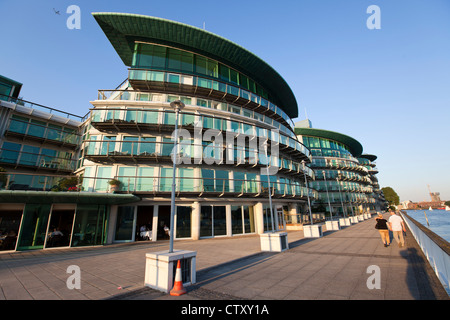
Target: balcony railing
40, 107
207, 86
189, 152
157, 185
141, 118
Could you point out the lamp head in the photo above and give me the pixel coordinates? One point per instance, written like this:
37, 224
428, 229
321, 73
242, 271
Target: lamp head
177, 105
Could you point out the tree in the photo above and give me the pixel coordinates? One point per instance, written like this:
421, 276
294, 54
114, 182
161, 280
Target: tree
391, 196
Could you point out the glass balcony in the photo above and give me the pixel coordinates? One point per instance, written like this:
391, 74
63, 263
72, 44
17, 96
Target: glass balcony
41, 131
207, 88
138, 118
36, 160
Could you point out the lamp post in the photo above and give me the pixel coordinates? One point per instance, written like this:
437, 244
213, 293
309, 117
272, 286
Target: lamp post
177, 105
328, 197
307, 192
340, 194
268, 183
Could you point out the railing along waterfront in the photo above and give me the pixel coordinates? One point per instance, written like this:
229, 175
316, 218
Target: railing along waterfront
436, 249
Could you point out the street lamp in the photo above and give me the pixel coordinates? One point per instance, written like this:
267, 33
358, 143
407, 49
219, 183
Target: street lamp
268, 182
340, 194
307, 192
328, 197
177, 105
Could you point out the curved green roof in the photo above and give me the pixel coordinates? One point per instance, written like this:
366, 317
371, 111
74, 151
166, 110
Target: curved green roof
123, 29
354, 146
370, 157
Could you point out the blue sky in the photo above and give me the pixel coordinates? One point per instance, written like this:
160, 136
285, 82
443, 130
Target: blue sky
388, 88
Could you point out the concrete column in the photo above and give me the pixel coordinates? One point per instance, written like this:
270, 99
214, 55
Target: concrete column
228, 220
112, 224
259, 218
293, 213
155, 222
195, 223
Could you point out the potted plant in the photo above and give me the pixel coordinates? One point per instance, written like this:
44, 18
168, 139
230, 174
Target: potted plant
115, 184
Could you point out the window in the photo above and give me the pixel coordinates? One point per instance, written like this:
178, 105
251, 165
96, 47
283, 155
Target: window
9, 152
147, 146
103, 176
126, 176
29, 156
130, 145
186, 179
165, 180
145, 179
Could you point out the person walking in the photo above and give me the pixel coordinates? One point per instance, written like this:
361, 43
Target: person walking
383, 229
397, 227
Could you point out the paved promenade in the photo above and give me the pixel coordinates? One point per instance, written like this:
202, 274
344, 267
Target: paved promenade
329, 268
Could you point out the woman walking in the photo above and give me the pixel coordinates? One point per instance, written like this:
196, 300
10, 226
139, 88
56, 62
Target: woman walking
383, 229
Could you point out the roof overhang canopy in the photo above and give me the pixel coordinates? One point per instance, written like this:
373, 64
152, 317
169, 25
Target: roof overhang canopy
354, 146
124, 29
15, 196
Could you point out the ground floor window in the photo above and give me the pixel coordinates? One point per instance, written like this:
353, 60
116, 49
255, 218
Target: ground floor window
34, 226
89, 227
242, 219
125, 222
183, 219
9, 228
213, 221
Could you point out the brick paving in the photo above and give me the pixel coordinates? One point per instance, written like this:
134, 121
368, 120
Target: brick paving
333, 267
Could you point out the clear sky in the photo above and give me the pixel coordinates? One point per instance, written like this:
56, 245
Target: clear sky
388, 88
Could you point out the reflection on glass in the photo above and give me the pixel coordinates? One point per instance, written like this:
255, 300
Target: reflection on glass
125, 220
183, 229
34, 226
9, 228
89, 225
60, 228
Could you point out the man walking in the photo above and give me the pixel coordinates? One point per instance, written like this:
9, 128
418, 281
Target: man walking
397, 227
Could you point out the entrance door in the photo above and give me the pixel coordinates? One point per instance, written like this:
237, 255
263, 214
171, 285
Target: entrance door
60, 228
163, 222
144, 223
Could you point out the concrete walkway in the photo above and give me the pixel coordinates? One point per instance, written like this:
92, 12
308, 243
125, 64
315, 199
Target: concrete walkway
332, 267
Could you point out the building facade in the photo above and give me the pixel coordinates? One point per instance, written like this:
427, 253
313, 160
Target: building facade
104, 177
345, 179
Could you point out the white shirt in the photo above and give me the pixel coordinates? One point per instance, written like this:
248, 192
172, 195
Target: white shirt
396, 223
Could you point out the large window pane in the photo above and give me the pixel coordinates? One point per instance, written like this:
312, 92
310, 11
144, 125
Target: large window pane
220, 221
145, 179
206, 222
236, 220
183, 229
9, 228
34, 226
10, 152
89, 226
186, 179
103, 176
124, 226
127, 177
165, 181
